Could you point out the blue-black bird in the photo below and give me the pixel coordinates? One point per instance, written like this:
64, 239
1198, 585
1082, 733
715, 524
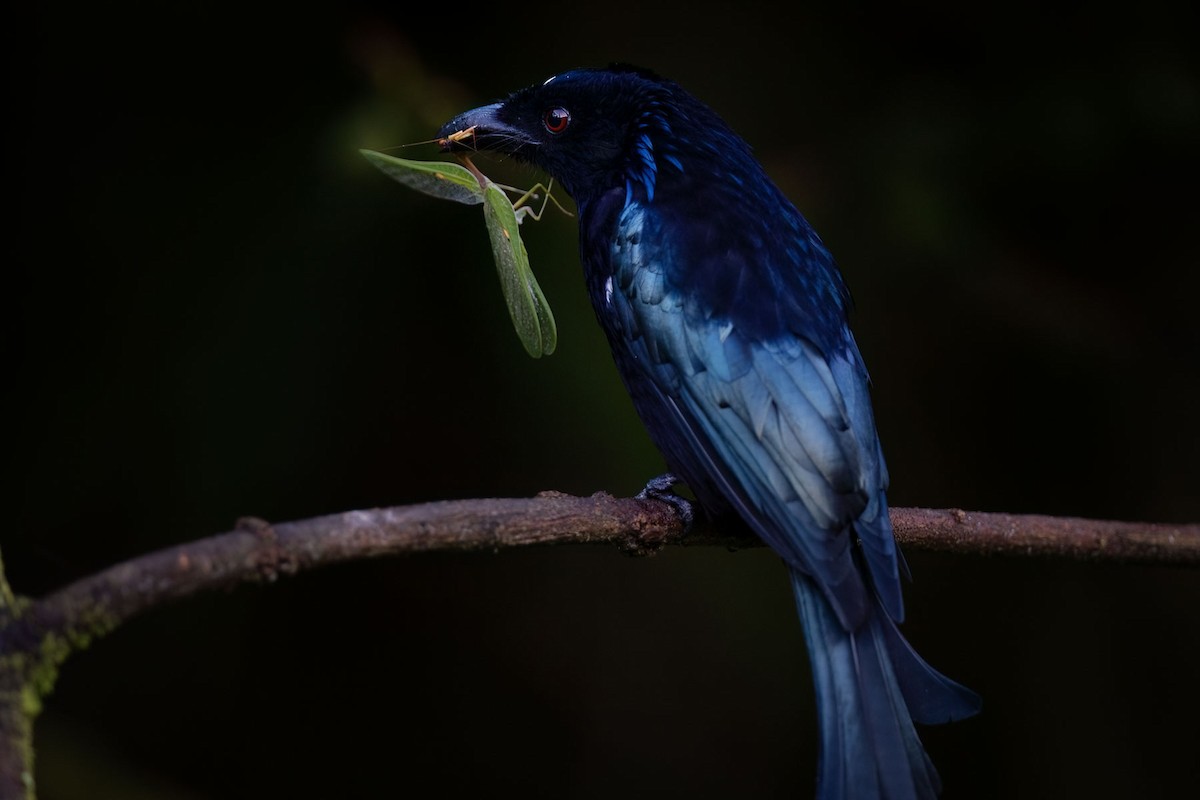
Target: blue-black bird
727, 319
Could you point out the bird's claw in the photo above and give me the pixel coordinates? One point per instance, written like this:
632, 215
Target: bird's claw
660, 488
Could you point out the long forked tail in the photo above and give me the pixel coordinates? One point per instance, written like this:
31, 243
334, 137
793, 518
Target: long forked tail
871, 686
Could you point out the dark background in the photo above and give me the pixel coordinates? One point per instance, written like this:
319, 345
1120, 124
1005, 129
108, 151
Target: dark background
218, 309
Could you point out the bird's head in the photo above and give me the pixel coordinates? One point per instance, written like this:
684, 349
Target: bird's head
591, 129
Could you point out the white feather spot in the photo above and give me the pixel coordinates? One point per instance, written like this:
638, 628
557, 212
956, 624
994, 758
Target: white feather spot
608, 291
725, 330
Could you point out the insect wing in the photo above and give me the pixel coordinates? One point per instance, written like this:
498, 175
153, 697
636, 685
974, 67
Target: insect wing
442, 179
526, 304
545, 317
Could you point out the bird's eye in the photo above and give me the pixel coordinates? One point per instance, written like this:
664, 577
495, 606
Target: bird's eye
556, 119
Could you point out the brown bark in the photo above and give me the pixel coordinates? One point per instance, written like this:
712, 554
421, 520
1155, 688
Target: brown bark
36, 636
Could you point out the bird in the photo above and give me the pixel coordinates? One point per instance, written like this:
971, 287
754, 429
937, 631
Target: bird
728, 321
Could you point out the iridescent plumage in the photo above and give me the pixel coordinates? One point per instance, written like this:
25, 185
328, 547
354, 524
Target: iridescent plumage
727, 319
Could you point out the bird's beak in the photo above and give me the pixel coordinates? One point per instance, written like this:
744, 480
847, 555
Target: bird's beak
480, 129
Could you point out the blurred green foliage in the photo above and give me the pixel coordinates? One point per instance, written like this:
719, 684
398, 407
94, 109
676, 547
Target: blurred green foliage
219, 309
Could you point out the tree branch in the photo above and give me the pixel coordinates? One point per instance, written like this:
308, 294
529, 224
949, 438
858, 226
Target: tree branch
37, 636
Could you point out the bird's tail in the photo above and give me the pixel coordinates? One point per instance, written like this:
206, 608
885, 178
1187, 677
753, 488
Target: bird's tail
871, 686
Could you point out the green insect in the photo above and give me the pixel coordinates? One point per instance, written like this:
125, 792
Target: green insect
527, 305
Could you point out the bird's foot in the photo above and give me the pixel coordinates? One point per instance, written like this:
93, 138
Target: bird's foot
659, 488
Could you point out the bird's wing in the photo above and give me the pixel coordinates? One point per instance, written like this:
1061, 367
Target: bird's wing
781, 425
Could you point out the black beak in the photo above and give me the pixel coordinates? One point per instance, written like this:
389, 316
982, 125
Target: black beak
481, 129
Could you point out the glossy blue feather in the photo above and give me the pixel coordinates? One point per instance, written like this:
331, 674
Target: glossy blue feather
728, 322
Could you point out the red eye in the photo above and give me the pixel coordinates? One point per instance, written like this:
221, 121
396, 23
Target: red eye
556, 119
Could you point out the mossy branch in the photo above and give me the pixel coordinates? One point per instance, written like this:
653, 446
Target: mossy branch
36, 636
